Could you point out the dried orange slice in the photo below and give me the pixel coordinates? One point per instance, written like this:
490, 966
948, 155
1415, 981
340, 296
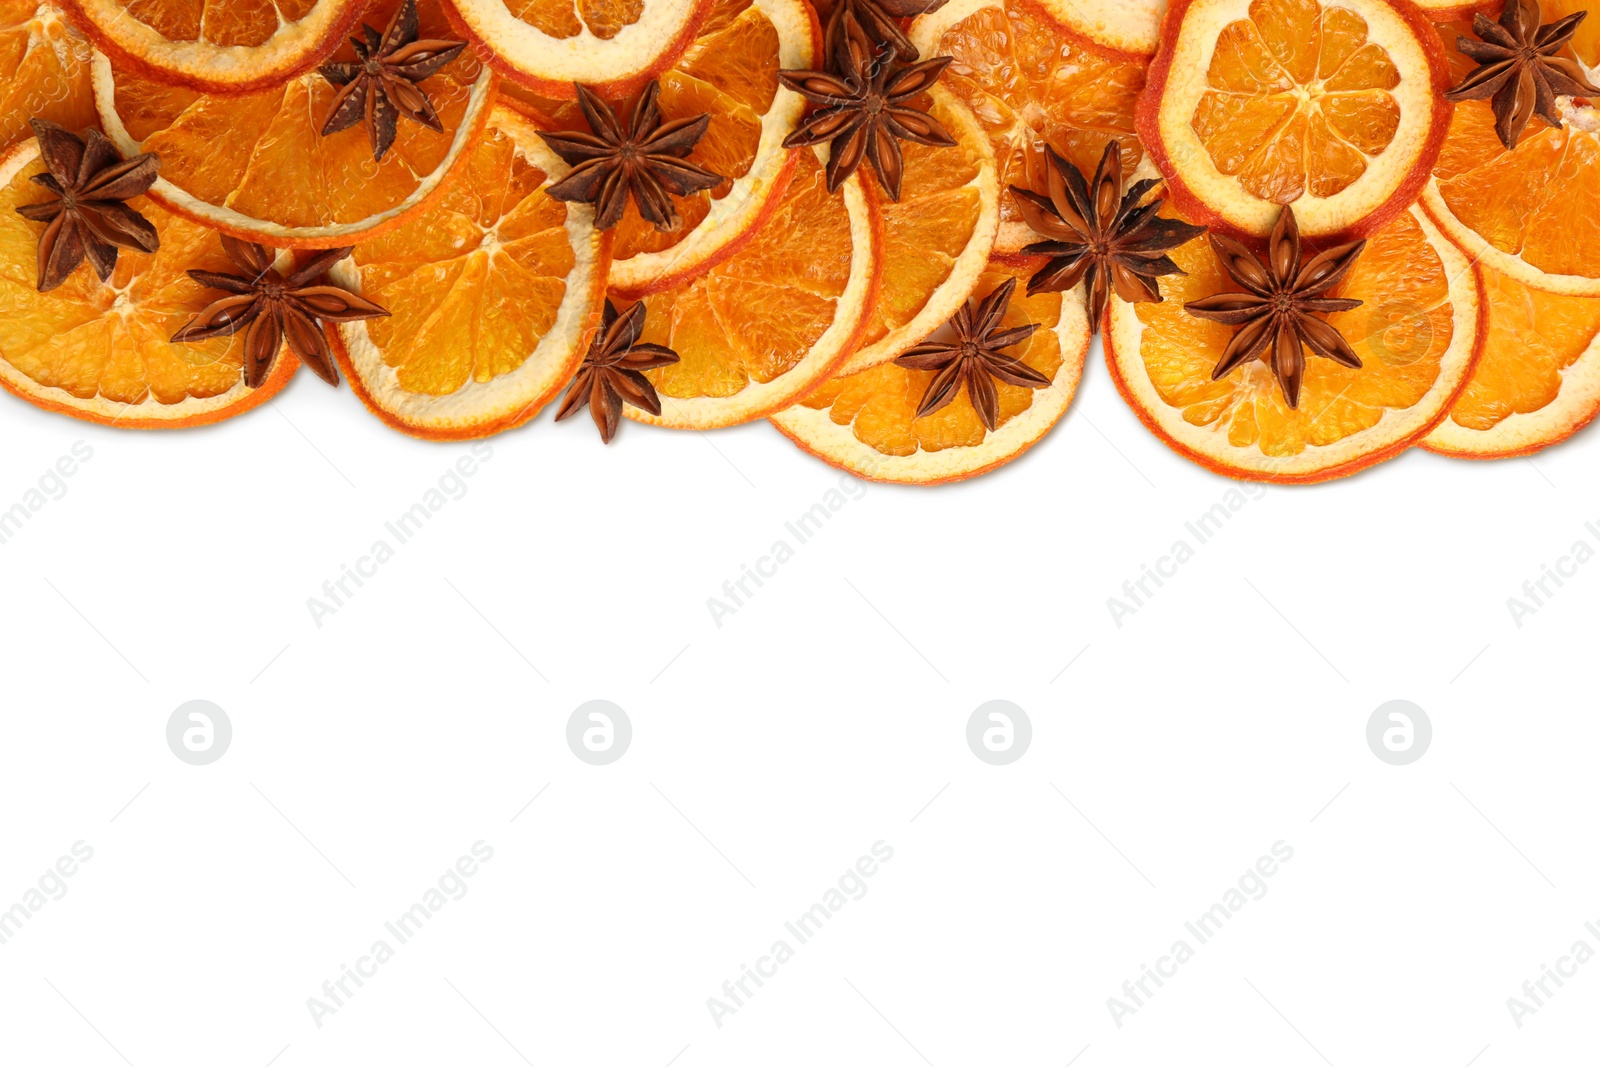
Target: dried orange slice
866, 422
255, 165
1538, 382
1417, 333
729, 72
937, 236
44, 70
236, 46
1132, 26
101, 351
757, 331
1532, 213
493, 290
1333, 108
1031, 83
612, 46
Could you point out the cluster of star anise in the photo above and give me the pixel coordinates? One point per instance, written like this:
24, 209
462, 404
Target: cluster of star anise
865, 93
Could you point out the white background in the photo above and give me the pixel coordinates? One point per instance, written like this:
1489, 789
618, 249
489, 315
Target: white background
827, 713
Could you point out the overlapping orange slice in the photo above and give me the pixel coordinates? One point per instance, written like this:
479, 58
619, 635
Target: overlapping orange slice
232, 46
1538, 382
1532, 213
757, 331
1418, 334
867, 423
729, 72
1334, 108
100, 351
494, 290
1032, 82
256, 165
44, 70
612, 46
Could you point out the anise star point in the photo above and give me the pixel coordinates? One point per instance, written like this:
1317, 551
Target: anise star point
865, 109
612, 371
645, 160
382, 84
88, 219
1276, 312
272, 309
974, 359
1520, 69
1099, 235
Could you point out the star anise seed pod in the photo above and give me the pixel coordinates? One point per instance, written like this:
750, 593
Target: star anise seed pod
647, 160
610, 373
974, 358
272, 309
865, 112
1275, 312
88, 220
1518, 67
382, 84
1096, 238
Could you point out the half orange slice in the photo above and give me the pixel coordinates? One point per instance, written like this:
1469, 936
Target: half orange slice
101, 351
1418, 334
867, 423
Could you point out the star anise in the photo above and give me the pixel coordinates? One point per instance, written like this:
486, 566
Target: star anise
1275, 312
610, 373
1518, 67
382, 84
272, 309
1096, 238
879, 20
88, 220
647, 160
865, 112
974, 358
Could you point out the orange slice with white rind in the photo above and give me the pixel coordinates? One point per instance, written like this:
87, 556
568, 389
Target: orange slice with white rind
493, 290
612, 46
255, 165
1538, 382
99, 351
937, 236
235, 46
866, 422
1031, 82
1335, 108
1534, 212
729, 72
1417, 333
757, 331
1132, 26
44, 70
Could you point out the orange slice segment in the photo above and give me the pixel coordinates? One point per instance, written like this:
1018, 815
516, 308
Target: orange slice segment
1333, 108
1532, 213
612, 46
494, 290
729, 72
237, 46
100, 351
937, 236
44, 70
759, 330
1417, 333
255, 164
866, 422
1538, 382
1031, 82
